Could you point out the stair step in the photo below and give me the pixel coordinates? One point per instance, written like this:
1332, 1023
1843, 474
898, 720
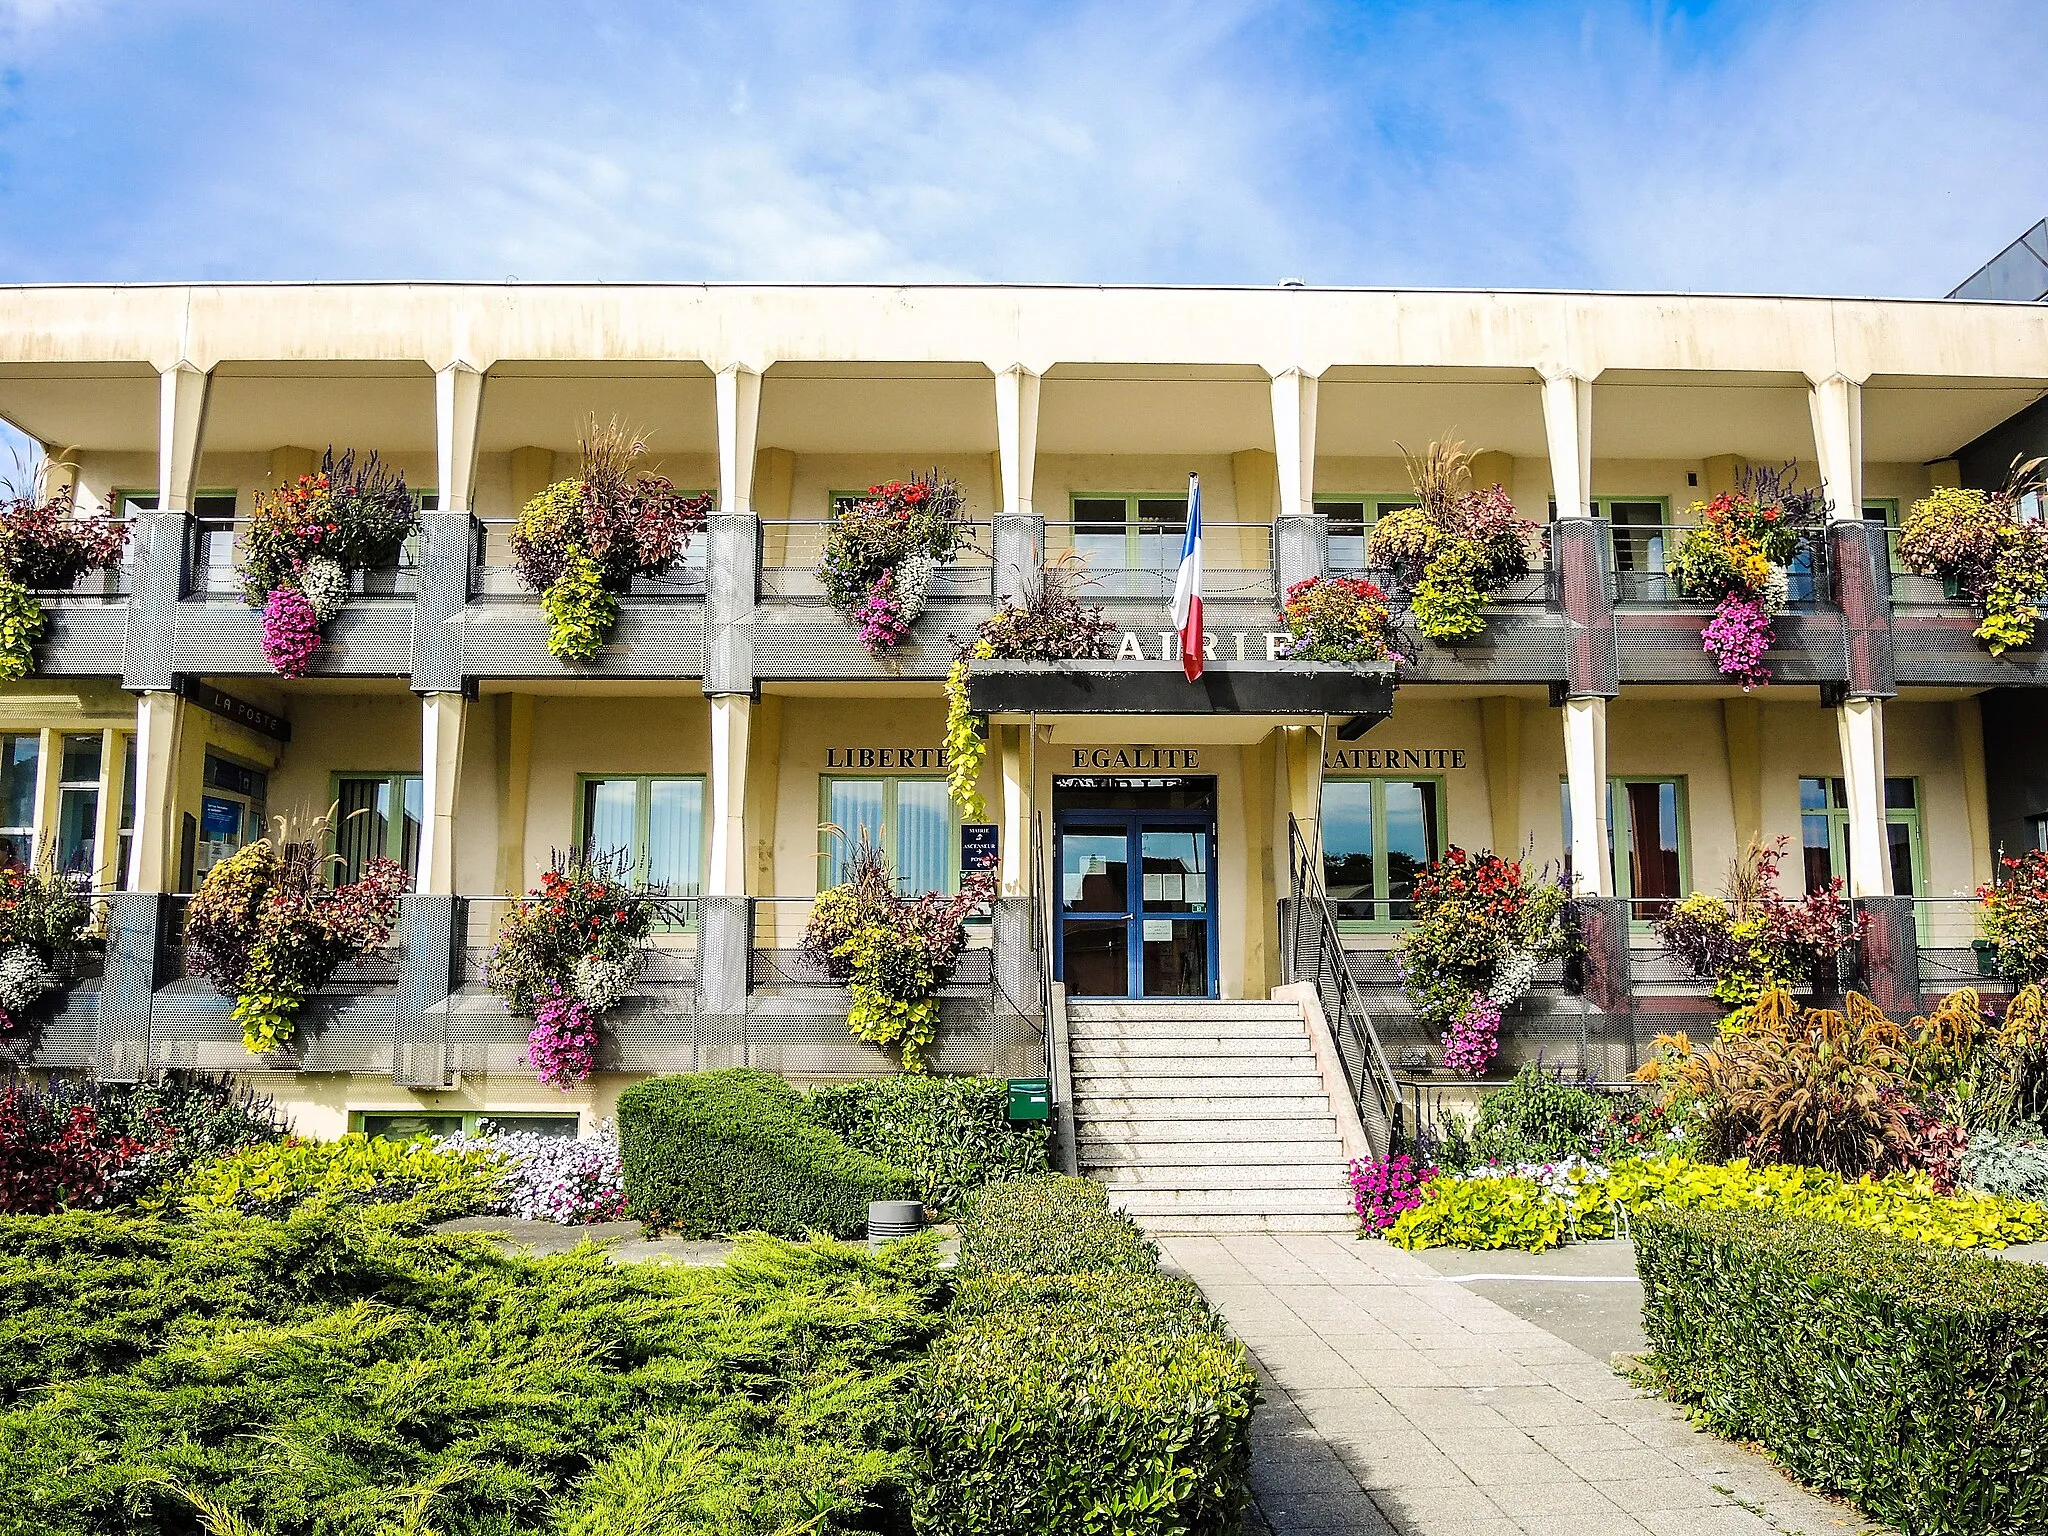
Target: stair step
1148, 1123
1083, 1031
1202, 1090
1233, 1202
1235, 1106
1318, 1150
1178, 1007
1145, 1047
1323, 1175
1098, 1063
1252, 1226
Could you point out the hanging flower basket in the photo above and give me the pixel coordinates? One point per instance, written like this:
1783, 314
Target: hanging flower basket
1984, 550
45, 544
307, 539
1458, 546
1338, 618
882, 550
1736, 556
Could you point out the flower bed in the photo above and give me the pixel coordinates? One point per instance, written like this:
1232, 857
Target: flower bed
45, 543
570, 1181
580, 542
1902, 1377
1978, 542
882, 551
306, 539
1736, 556
266, 930
1455, 548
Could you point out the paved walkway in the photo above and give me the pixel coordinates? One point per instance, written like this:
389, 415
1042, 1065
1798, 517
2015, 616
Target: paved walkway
1401, 1402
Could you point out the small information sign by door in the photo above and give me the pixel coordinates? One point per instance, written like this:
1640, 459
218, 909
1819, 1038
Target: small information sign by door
980, 848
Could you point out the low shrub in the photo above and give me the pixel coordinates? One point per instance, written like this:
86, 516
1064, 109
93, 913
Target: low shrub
1902, 1377
2012, 1163
1537, 1118
737, 1151
1051, 1226
322, 1373
274, 1178
1482, 1210
954, 1133
1097, 1402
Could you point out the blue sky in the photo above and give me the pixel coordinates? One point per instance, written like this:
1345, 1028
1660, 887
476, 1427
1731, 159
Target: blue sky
1851, 146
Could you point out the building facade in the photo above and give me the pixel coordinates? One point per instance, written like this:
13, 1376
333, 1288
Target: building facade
734, 715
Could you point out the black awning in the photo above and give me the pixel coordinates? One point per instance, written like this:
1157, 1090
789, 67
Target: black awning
1160, 688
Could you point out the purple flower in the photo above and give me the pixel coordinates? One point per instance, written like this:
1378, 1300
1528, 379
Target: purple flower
1474, 1036
1737, 637
880, 616
1381, 1191
562, 1046
291, 632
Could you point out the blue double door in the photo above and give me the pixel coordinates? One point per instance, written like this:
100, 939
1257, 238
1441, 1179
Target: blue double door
1137, 902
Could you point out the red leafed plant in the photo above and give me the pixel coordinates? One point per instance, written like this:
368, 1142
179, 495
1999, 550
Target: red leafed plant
55, 1156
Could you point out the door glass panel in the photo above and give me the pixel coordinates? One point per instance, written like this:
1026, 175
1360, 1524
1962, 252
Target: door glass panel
1162, 529
413, 808
1347, 534
1653, 847
924, 826
1097, 958
77, 818
1816, 845
1348, 847
855, 807
1099, 535
1176, 871
19, 756
610, 808
1094, 873
1899, 844
1176, 957
1411, 842
675, 834
362, 825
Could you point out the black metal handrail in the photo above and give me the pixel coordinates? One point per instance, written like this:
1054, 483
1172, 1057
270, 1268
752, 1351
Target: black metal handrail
1315, 954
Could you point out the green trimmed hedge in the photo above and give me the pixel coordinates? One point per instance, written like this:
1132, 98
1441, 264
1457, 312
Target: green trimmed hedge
1910, 1379
954, 1133
1052, 1226
737, 1151
1076, 1388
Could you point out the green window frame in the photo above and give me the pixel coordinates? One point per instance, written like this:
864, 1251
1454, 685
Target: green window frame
639, 852
1824, 826
883, 818
1377, 902
1624, 794
1130, 539
363, 798
379, 1124
1885, 510
1350, 519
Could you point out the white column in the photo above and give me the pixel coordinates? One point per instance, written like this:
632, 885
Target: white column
1017, 436
731, 719
1016, 831
739, 419
159, 727
1860, 723
1294, 440
106, 872
442, 716
1836, 405
458, 410
181, 424
1568, 428
1585, 766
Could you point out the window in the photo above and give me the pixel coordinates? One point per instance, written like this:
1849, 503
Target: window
1646, 833
127, 811
1131, 543
1642, 546
406, 1125
213, 538
654, 826
2037, 832
1824, 833
1351, 520
377, 816
20, 760
1378, 835
78, 805
912, 819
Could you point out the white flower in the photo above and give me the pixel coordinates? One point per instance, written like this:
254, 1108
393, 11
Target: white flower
325, 584
603, 981
913, 584
1514, 977
1777, 589
23, 978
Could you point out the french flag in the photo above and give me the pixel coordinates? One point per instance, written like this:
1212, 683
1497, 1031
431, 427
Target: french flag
1187, 586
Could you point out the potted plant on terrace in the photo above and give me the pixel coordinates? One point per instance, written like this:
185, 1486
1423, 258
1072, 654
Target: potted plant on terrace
1983, 549
1751, 939
1455, 548
1338, 618
1736, 556
305, 541
45, 919
882, 550
580, 542
46, 543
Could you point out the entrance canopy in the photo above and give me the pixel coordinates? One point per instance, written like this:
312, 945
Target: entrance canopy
1297, 688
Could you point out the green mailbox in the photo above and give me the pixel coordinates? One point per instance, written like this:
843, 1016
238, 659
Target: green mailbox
1030, 1098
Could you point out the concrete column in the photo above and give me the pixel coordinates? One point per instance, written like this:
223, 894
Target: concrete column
458, 409
106, 873
49, 772
1568, 428
159, 729
1585, 763
181, 426
1294, 440
731, 718
442, 716
1860, 723
1017, 437
739, 419
1836, 405
1008, 741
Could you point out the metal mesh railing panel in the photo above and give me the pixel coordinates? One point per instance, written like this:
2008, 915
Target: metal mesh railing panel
1862, 589
1584, 559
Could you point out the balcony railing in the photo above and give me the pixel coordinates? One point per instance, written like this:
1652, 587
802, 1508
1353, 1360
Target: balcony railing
779, 960
213, 564
112, 585
1911, 591
1138, 561
792, 547
671, 953
492, 571
1642, 555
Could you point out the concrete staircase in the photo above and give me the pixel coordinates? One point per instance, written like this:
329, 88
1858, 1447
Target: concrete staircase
1206, 1117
